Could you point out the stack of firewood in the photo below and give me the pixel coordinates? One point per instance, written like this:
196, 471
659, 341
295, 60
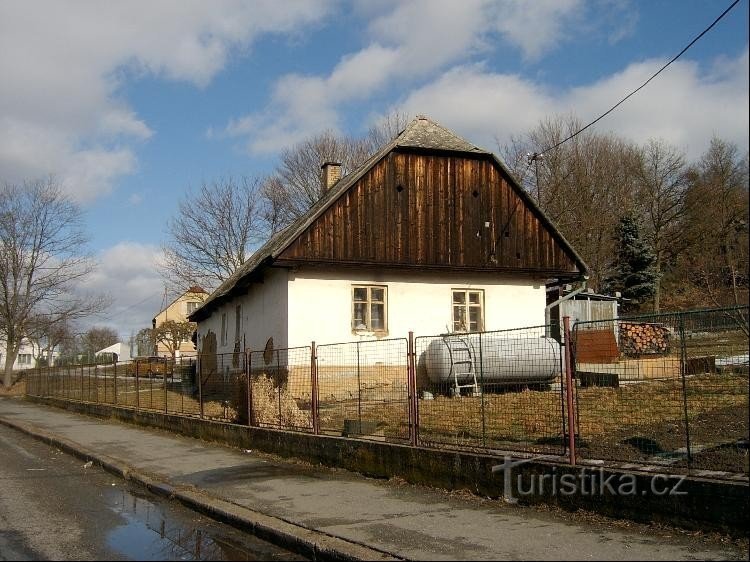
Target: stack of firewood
643, 338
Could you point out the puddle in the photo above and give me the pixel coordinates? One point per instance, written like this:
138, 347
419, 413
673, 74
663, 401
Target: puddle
156, 529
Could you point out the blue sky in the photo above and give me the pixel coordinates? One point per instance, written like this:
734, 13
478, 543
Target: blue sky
129, 104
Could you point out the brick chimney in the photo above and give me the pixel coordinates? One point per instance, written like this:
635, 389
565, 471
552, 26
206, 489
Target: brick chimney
331, 174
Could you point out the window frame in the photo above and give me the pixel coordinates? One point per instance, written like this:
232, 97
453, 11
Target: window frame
237, 323
223, 329
467, 306
195, 307
369, 303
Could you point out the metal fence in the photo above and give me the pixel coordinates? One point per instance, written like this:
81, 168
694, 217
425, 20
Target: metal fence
363, 389
669, 389
492, 390
281, 389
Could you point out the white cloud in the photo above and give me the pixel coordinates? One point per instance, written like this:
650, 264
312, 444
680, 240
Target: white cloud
406, 42
684, 105
537, 27
127, 273
62, 65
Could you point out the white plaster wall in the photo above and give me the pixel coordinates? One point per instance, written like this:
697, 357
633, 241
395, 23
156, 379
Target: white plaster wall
320, 303
264, 315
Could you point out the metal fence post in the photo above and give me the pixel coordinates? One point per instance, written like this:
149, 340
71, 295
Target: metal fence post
249, 365
569, 392
683, 369
481, 390
166, 410
411, 374
199, 378
314, 389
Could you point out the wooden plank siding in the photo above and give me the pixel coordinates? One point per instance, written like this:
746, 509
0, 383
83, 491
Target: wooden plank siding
418, 209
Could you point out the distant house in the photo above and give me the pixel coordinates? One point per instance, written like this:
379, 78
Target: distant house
431, 234
26, 356
179, 310
119, 351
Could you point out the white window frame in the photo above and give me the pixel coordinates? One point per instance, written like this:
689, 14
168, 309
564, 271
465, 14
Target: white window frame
237, 323
369, 302
223, 329
195, 307
467, 305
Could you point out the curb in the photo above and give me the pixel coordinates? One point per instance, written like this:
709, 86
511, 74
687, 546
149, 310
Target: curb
311, 543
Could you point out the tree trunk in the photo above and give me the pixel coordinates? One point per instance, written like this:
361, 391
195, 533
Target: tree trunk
657, 289
10, 359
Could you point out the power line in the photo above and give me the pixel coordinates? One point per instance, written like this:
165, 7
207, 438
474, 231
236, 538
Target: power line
536, 155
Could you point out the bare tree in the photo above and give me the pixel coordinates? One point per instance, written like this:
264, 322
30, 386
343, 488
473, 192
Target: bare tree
97, 338
144, 342
42, 255
172, 334
296, 186
716, 222
213, 233
661, 176
584, 185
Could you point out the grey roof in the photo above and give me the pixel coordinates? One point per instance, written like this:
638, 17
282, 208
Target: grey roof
425, 133
420, 133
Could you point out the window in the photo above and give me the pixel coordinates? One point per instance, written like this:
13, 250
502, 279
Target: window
468, 313
24, 359
237, 323
191, 307
224, 329
369, 309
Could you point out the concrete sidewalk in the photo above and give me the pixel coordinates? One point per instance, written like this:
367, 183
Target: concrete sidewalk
345, 515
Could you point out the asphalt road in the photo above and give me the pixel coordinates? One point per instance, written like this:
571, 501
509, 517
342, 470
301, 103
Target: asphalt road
53, 507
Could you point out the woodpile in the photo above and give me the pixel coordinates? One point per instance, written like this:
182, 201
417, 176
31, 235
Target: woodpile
643, 338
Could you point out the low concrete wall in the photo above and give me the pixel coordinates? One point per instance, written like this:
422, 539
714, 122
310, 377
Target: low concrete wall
699, 503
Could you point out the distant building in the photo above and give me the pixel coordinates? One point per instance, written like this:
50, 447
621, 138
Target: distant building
26, 356
179, 310
119, 351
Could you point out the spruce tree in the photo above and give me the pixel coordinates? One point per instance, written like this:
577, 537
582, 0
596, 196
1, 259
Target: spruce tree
633, 271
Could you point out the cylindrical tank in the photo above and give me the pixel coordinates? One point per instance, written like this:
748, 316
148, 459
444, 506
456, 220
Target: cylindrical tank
503, 359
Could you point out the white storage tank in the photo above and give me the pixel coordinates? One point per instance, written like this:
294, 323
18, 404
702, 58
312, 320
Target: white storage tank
504, 359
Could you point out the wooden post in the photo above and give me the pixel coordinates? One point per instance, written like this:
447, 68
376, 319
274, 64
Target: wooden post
314, 389
137, 388
114, 398
569, 392
411, 374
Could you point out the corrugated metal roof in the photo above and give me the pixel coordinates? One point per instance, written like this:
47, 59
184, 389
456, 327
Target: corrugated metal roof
420, 133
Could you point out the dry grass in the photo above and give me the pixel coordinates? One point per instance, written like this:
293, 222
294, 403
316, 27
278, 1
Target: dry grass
17, 389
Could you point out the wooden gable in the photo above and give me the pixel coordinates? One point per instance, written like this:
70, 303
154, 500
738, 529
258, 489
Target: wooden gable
434, 210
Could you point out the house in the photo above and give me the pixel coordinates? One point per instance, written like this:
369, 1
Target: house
27, 354
431, 234
179, 310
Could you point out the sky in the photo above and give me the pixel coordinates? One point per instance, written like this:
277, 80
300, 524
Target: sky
131, 104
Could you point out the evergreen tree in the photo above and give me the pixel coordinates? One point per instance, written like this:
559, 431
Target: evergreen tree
633, 271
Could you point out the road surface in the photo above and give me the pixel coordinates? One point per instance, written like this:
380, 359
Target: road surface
53, 507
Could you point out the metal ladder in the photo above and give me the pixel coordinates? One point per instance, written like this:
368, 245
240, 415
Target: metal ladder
462, 364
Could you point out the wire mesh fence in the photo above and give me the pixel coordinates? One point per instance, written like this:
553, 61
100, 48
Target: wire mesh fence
281, 388
222, 387
363, 389
491, 390
669, 389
